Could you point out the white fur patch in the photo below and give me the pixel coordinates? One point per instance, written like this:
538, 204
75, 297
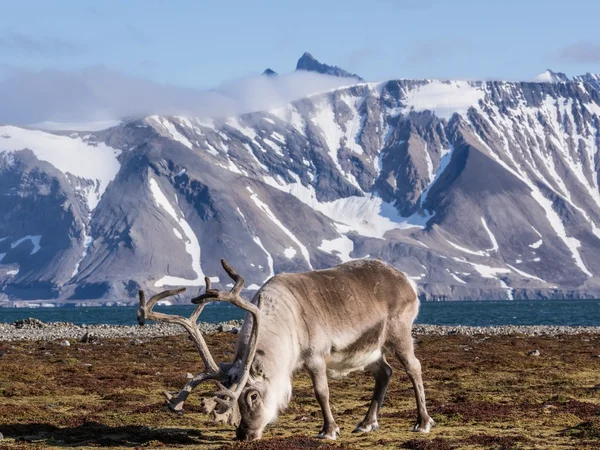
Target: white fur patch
340, 365
413, 285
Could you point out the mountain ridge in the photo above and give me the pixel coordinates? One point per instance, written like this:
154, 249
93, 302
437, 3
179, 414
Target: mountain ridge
432, 176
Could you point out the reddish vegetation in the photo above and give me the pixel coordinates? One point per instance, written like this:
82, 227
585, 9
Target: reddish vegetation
483, 393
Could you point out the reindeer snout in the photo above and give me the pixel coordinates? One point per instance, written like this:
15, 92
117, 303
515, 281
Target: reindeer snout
244, 434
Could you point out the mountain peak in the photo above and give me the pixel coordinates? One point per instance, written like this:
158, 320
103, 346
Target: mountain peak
549, 76
269, 72
309, 63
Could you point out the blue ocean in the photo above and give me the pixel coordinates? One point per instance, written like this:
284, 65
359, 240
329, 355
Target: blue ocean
471, 313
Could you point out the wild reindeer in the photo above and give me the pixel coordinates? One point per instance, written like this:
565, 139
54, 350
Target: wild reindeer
330, 322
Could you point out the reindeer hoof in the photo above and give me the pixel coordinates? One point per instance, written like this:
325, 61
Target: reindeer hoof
331, 432
366, 427
424, 426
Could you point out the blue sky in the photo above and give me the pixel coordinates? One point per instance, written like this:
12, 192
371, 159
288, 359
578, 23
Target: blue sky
200, 43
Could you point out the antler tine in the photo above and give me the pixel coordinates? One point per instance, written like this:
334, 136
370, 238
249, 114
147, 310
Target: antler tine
145, 309
175, 403
145, 312
239, 280
214, 295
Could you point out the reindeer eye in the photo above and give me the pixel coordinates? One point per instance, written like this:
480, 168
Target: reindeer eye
253, 397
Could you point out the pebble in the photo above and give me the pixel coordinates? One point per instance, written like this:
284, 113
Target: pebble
503, 330
34, 330
65, 343
535, 352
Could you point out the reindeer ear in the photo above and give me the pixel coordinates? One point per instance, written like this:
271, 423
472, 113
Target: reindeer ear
257, 369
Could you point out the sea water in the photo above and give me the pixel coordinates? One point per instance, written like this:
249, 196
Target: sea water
470, 313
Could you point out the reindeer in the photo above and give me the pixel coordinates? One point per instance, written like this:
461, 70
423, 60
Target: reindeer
329, 322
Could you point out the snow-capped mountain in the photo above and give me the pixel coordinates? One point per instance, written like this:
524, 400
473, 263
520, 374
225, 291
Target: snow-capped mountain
478, 190
550, 76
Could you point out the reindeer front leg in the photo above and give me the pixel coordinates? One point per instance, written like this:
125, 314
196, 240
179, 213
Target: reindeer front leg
318, 374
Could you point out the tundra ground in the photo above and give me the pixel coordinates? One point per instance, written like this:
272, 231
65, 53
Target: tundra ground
483, 392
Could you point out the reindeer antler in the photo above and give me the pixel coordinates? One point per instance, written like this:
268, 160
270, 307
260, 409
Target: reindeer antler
233, 297
223, 405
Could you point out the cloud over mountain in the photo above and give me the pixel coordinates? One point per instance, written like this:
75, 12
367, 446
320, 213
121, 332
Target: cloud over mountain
97, 93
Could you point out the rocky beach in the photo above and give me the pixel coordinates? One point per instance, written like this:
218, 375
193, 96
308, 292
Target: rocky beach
35, 330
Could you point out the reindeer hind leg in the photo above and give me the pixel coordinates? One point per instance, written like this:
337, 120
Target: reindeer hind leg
382, 372
401, 343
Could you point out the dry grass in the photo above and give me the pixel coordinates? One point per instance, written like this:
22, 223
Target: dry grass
483, 393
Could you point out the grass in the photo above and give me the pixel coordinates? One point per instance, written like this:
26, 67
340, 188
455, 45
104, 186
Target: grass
484, 392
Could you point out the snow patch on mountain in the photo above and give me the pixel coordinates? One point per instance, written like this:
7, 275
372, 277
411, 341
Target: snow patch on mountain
537, 244
325, 120
290, 252
35, 241
87, 243
444, 98
495, 246
341, 247
269, 257
169, 129
466, 250
192, 246
96, 162
550, 76
525, 274
265, 208
367, 215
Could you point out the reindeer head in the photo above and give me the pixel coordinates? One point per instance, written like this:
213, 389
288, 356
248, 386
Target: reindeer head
242, 398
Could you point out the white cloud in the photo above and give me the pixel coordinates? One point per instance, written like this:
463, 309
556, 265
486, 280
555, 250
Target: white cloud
96, 93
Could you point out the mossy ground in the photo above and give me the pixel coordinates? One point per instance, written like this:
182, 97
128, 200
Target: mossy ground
483, 392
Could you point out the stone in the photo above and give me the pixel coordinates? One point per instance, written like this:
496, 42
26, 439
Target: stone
30, 322
65, 343
225, 328
88, 337
535, 352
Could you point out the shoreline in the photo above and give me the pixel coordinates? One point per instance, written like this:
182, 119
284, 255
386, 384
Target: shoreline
36, 330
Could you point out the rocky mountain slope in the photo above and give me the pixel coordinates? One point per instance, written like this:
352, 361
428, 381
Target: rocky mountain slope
478, 190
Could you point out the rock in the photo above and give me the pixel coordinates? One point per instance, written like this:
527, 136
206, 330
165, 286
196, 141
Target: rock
65, 343
235, 330
225, 328
30, 322
88, 337
1, 436
188, 375
535, 352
